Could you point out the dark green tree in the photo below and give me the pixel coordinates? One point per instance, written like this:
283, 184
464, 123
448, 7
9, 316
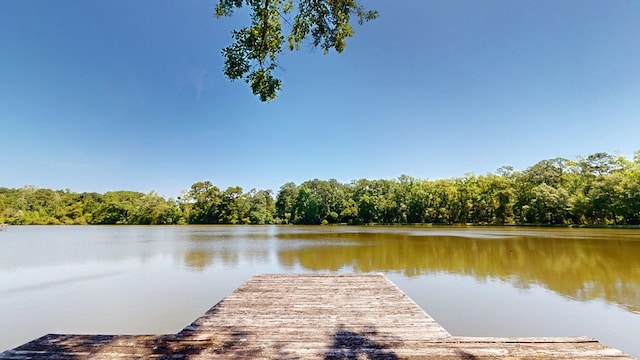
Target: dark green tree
234, 207
117, 207
201, 202
285, 202
307, 207
261, 206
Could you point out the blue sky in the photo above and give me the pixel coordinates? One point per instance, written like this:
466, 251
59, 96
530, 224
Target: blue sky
104, 95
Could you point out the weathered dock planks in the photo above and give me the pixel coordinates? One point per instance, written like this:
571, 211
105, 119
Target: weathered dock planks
311, 317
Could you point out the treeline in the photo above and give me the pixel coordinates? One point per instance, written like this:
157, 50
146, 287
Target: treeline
600, 189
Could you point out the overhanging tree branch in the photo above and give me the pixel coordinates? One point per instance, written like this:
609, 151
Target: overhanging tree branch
327, 22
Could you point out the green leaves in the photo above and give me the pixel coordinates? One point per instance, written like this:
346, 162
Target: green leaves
264, 84
253, 55
225, 7
555, 191
254, 52
328, 22
236, 56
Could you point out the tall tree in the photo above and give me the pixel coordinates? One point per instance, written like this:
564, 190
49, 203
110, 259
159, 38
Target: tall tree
286, 202
201, 203
262, 206
233, 208
307, 208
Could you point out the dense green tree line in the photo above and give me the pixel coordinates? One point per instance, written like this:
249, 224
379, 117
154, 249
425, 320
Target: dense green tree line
600, 189
30, 205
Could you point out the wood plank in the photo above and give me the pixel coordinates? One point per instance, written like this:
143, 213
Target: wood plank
313, 316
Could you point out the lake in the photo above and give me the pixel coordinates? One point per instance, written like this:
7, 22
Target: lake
475, 281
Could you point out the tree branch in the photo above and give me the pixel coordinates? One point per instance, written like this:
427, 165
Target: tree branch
265, 23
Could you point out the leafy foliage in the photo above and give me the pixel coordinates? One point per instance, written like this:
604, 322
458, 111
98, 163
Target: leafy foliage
599, 189
254, 53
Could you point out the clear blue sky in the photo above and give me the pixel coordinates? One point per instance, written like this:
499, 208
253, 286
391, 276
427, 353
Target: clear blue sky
104, 95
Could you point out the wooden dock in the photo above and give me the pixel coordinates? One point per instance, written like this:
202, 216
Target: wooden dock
360, 316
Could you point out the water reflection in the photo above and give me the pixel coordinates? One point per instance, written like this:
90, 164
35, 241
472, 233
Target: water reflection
227, 246
578, 267
151, 279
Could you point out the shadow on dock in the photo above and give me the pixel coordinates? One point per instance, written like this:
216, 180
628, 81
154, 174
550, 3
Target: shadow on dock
349, 345
193, 346
346, 345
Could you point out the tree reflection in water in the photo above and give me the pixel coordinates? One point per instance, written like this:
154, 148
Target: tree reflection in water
581, 268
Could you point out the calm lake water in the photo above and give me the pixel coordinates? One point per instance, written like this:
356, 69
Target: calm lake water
473, 281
